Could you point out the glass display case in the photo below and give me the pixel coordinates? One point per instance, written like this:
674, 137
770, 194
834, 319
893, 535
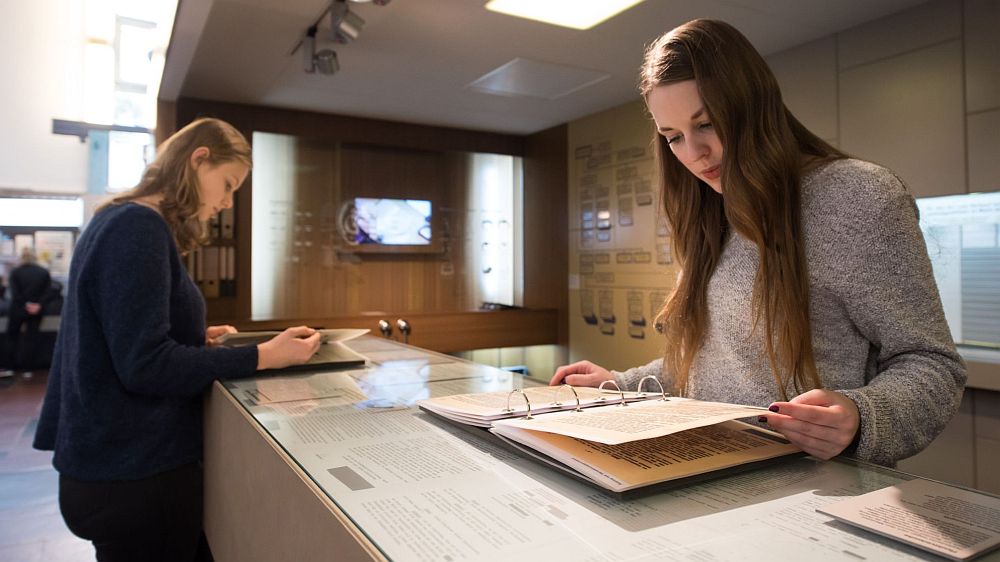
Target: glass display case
344, 464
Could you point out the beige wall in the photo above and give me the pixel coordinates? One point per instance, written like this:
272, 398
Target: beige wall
917, 91
41, 54
614, 275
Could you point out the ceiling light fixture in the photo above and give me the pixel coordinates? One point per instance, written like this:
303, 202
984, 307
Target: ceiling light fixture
324, 61
309, 50
345, 26
576, 14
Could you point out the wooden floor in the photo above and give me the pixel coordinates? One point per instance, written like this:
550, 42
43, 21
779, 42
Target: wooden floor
31, 529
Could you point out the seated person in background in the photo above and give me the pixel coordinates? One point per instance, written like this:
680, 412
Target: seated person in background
29, 283
804, 283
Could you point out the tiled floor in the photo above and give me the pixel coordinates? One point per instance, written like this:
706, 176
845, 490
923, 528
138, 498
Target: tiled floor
31, 529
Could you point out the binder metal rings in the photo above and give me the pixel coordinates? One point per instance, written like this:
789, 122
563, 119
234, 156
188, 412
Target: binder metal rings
618, 388
556, 402
654, 379
527, 402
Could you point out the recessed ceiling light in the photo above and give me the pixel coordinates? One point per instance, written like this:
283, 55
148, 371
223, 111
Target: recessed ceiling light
526, 77
577, 14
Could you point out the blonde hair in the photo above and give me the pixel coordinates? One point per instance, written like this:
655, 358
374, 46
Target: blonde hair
763, 151
172, 176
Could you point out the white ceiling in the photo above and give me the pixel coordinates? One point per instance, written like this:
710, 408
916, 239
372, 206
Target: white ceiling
415, 58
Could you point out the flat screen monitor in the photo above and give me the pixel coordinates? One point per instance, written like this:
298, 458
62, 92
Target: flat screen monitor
392, 224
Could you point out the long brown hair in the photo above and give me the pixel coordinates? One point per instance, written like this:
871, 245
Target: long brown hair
172, 175
764, 148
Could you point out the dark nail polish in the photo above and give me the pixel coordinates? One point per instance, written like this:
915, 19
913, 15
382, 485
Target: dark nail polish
773, 408
762, 419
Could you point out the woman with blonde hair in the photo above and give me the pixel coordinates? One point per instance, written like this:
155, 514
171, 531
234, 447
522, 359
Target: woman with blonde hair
805, 284
133, 357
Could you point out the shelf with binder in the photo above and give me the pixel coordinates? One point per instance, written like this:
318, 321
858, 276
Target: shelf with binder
213, 266
221, 227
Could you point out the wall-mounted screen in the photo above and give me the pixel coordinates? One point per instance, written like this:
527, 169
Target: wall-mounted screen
391, 222
390, 225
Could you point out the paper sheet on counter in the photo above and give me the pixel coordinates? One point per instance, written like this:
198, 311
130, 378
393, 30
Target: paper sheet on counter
948, 521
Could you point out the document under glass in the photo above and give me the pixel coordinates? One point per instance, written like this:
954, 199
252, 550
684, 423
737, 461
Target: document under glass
422, 489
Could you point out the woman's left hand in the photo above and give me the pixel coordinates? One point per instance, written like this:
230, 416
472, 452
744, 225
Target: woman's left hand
820, 422
213, 332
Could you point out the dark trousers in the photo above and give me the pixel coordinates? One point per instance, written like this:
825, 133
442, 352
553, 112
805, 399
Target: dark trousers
156, 518
21, 355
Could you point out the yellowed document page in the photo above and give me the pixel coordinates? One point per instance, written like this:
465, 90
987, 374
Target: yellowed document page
614, 425
938, 518
640, 463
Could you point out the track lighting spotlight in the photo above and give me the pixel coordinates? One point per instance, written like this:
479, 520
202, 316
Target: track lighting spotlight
326, 61
345, 27
309, 50
345, 24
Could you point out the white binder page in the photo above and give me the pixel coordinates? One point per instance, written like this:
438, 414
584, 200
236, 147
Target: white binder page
614, 425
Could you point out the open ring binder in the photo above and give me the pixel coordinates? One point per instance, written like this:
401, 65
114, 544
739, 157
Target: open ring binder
556, 402
658, 383
618, 388
527, 402
680, 438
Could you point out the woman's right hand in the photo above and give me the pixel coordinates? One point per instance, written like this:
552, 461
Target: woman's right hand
581, 373
294, 346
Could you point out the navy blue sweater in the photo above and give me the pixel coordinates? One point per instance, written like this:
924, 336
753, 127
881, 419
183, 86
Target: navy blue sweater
130, 366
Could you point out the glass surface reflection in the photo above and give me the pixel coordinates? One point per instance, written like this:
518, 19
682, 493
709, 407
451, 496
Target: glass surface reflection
412, 484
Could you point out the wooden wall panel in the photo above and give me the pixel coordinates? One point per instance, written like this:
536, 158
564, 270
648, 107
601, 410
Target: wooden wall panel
343, 157
446, 331
339, 128
166, 120
546, 224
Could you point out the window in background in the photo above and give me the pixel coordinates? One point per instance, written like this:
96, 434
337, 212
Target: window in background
124, 53
128, 155
41, 212
963, 240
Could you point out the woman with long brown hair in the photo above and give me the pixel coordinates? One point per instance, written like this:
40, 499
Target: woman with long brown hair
133, 357
805, 284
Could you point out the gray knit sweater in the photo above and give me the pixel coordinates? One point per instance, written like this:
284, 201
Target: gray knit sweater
879, 333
